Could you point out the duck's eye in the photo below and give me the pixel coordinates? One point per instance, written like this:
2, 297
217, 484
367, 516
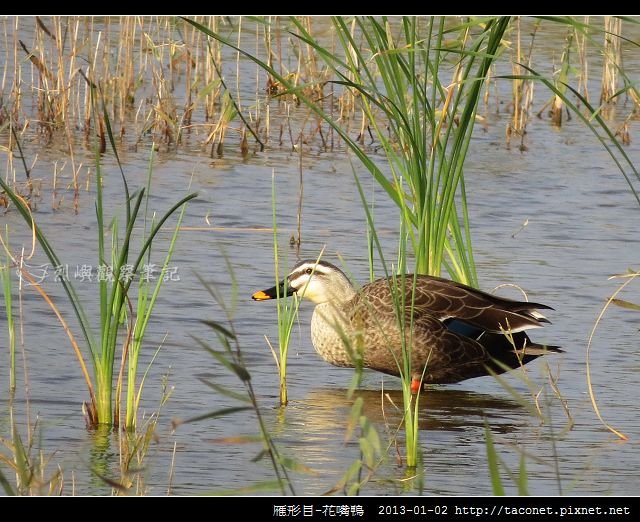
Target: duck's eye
309, 271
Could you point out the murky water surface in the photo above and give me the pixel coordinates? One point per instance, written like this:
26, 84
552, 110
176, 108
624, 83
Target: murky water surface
582, 227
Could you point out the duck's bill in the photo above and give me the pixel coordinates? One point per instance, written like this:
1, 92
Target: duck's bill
273, 292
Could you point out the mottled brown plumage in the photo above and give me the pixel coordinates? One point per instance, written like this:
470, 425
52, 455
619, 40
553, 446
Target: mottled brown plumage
455, 332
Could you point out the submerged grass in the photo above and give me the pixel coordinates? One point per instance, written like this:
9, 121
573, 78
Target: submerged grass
30, 466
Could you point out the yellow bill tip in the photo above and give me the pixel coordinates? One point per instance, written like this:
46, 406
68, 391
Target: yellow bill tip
260, 296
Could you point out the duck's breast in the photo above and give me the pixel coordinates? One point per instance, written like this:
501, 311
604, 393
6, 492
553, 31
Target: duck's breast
332, 336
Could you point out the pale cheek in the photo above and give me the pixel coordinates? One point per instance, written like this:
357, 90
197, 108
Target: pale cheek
315, 293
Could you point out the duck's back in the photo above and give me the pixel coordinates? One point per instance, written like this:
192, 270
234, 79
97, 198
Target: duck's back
445, 300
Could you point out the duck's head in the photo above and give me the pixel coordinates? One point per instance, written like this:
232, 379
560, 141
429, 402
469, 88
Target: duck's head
318, 281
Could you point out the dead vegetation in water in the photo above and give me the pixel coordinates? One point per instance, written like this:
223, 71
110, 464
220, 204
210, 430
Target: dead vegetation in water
162, 78
164, 81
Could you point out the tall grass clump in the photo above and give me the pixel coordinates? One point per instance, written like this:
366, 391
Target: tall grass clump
419, 94
417, 84
146, 299
118, 266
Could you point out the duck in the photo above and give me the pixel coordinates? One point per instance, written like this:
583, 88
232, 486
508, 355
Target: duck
454, 331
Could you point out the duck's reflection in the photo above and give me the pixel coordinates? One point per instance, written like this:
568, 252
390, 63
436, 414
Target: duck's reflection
315, 429
439, 409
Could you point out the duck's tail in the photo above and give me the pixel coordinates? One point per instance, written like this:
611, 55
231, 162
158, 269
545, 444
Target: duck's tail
506, 349
513, 350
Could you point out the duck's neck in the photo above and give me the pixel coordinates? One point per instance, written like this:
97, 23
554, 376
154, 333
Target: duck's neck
329, 308
341, 293
336, 294
331, 332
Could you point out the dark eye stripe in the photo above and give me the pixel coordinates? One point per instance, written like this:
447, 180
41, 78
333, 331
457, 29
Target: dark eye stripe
302, 272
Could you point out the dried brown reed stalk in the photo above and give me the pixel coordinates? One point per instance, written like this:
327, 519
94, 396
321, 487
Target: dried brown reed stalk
522, 90
612, 60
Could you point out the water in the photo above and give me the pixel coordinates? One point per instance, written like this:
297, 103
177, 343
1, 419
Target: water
581, 229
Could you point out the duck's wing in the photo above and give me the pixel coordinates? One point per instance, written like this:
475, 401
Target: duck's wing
447, 356
447, 300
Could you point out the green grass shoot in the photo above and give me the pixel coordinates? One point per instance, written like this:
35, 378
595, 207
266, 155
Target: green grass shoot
287, 306
5, 270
